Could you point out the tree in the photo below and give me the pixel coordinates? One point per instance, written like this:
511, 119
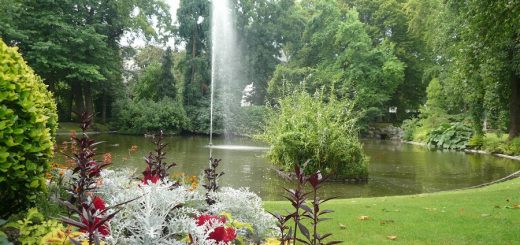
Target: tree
193, 31
475, 52
78, 42
154, 79
492, 37
166, 84
387, 20
338, 55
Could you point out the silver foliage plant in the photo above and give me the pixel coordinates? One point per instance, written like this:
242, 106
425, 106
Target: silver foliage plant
245, 206
164, 215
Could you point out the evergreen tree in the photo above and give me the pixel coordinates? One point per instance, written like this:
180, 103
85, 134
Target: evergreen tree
166, 84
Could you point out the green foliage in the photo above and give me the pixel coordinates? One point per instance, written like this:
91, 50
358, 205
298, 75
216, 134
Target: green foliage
409, 127
513, 147
147, 116
494, 143
78, 43
247, 121
450, 136
28, 122
34, 227
476, 141
306, 128
337, 52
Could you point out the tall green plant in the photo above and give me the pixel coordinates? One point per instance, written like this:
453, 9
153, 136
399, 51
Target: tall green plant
305, 127
28, 123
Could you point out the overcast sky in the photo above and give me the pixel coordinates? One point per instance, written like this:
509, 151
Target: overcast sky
174, 5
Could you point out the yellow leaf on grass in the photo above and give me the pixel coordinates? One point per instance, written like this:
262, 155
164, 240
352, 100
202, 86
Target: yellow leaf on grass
392, 238
363, 217
516, 206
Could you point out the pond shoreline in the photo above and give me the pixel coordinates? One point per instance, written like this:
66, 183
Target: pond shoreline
517, 158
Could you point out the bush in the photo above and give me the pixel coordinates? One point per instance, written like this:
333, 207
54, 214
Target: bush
409, 127
165, 212
305, 128
476, 141
247, 121
28, 122
147, 116
513, 147
493, 144
34, 227
450, 136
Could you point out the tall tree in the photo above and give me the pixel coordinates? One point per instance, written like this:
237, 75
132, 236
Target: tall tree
166, 84
193, 31
264, 27
387, 20
492, 35
78, 42
338, 54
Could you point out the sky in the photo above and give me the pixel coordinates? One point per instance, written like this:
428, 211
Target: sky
139, 42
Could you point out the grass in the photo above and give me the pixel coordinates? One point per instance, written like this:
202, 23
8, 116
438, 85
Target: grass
489, 215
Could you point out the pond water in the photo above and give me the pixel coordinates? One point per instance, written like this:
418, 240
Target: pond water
395, 168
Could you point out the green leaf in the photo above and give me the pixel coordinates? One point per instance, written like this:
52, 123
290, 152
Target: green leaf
35, 183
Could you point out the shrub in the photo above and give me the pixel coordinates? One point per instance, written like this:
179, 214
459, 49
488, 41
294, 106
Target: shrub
247, 121
450, 136
476, 141
34, 227
147, 116
305, 127
493, 144
513, 147
409, 127
166, 215
28, 121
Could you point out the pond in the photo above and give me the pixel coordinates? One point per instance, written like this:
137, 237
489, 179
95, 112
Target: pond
395, 168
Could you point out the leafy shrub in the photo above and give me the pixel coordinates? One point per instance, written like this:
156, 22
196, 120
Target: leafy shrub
165, 215
34, 227
493, 144
305, 127
476, 141
147, 116
28, 123
513, 147
247, 121
409, 127
450, 136
245, 206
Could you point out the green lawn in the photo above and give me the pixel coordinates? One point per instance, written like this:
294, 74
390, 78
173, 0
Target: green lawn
490, 215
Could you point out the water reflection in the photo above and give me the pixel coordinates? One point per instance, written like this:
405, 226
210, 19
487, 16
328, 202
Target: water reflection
394, 168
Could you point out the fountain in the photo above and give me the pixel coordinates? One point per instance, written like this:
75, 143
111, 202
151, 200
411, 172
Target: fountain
227, 74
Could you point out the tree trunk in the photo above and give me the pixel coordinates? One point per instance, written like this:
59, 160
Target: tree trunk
89, 102
104, 108
67, 107
193, 70
514, 107
77, 95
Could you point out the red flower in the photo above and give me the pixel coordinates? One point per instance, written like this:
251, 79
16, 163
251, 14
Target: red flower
222, 234
98, 205
204, 218
102, 229
219, 234
153, 178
